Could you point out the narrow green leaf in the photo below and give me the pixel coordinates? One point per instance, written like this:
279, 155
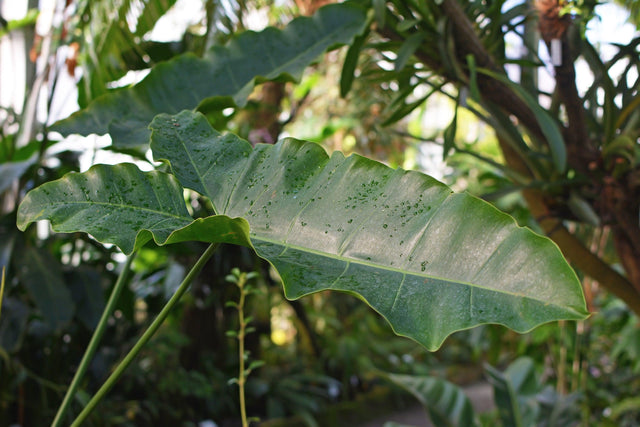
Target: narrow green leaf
151, 12
29, 19
507, 130
228, 72
350, 64
405, 109
473, 78
548, 125
256, 364
380, 12
450, 134
408, 48
429, 261
407, 24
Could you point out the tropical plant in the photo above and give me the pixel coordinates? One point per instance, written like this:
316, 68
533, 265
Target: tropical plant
352, 224
458, 50
323, 222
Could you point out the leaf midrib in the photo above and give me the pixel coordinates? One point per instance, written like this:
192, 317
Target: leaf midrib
120, 206
255, 237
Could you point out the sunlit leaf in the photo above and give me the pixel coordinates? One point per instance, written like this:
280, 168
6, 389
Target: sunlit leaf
430, 261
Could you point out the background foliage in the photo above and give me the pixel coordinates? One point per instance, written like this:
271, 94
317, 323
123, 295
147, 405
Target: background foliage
413, 59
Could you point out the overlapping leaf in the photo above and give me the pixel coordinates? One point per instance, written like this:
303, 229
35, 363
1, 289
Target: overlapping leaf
122, 205
228, 72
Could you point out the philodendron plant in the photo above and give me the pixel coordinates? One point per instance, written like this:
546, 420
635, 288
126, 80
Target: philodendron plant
428, 260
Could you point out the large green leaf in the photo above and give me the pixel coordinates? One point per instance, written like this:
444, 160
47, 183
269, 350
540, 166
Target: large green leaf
430, 261
228, 72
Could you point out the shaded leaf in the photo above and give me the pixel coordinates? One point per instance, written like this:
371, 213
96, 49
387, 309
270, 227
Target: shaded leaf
42, 277
10, 171
514, 392
445, 402
13, 323
87, 294
229, 72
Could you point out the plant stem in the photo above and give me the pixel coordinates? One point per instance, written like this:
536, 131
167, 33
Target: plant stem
241, 333
93, 344
1, 289
157, 322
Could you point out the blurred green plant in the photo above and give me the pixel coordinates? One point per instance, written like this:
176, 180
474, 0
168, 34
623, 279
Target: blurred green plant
241, 279
519, 397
